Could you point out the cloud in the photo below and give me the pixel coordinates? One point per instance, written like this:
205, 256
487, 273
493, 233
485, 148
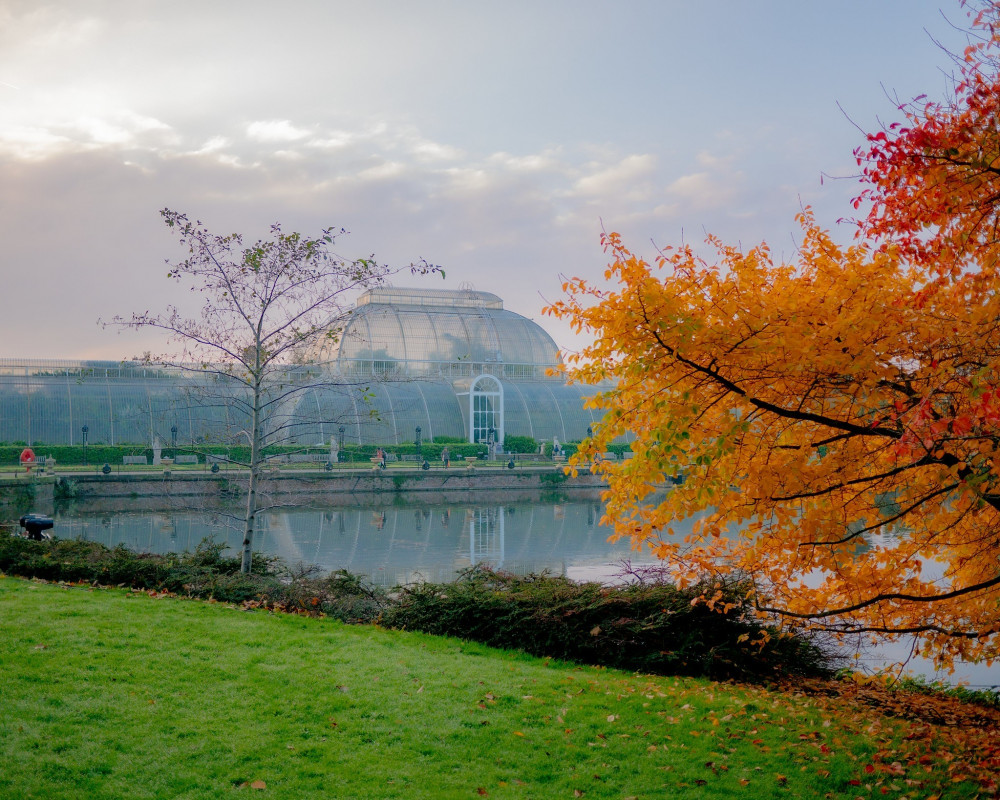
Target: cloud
435, 151
30, 133
507, 222
30, 141
275, 130
383, 171
45, 28
333, 140
705, 190
546, 161
630, 175
713, 161
693, 186
214, 145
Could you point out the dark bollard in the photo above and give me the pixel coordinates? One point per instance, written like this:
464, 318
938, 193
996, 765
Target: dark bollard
34, 524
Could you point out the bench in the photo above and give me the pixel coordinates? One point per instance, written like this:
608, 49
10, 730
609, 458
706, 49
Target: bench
213, 459
185, 460
135, 460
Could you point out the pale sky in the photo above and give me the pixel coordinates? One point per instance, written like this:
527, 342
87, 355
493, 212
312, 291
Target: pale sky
493, 138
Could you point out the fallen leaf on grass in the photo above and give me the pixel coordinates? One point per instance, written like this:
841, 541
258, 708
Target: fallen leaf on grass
258, 785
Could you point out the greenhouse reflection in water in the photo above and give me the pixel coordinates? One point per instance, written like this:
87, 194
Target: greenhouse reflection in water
393, 544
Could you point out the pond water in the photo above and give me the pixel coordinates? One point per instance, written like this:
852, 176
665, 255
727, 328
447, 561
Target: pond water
391, 543
396, 540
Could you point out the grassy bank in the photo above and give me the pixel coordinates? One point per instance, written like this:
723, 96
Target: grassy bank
651, 627
111, 693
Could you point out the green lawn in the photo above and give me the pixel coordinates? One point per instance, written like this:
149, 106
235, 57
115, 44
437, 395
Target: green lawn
110, 694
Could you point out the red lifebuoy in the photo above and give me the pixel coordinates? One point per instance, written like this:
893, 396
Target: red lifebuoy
27, 457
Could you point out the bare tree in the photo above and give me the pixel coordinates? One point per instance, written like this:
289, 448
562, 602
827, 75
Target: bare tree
264, 306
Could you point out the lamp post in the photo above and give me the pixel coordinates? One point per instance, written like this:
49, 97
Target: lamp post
340, 443
417, 442
85, 430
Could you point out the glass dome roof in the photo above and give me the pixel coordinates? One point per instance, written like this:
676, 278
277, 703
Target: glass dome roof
454, 363
407, 331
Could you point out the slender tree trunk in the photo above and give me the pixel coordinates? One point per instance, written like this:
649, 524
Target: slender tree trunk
255, 455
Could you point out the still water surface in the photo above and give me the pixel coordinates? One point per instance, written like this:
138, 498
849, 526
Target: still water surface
394, 543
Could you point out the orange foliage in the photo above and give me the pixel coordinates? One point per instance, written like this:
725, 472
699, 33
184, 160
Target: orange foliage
834, 421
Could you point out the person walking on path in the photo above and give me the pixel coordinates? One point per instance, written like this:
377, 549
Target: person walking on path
446, 458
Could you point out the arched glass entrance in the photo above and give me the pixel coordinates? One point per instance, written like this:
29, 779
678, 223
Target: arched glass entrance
486, 410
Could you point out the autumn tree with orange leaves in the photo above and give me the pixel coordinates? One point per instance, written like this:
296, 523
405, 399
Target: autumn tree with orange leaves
836, 419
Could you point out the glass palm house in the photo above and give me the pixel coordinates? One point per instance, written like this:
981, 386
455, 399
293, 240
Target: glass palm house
451, 362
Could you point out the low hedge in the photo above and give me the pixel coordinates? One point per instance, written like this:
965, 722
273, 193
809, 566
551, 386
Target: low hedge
205, 573
650, 627
520, 444
653, 627
113, 454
